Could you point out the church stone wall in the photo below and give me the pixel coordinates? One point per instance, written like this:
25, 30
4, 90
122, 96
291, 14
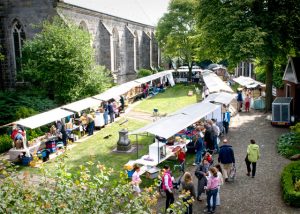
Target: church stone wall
133, 45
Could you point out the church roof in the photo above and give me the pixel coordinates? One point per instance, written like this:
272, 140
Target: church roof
142, 11
292, 71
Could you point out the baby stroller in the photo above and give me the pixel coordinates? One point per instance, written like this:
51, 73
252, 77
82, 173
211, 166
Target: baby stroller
176, 184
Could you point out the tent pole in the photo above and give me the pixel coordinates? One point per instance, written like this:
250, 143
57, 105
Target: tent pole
137, 146
158, 153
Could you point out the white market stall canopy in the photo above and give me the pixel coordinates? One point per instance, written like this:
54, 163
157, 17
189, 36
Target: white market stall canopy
248, 82
82, 104
161, 74
186, 69
222, 97
44, 118
116, 91
170, 125
214, 83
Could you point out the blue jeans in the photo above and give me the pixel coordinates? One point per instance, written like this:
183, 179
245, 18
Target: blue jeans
198, 156
216, 143
91, 128
105, 117
212, 193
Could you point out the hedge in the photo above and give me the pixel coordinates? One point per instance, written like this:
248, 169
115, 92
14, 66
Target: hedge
5, 143
289, 176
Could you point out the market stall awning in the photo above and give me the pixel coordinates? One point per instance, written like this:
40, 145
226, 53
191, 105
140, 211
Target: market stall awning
214, 83
154, 76
82, 104
248, 82
116, 91
44, 118
221, 97
170, 125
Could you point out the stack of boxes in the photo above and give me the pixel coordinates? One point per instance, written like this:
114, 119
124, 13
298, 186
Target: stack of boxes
51, 145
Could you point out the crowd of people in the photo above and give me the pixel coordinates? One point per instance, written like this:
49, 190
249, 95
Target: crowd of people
210, 176
244, 99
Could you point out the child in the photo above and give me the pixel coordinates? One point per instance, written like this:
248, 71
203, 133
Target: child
247, 103
181, 158
136, 180
208, 157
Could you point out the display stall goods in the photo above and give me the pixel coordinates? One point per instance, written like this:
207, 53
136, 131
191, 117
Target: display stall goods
33, 122
168, 126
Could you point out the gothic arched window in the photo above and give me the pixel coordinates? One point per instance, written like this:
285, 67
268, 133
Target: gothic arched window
18, 40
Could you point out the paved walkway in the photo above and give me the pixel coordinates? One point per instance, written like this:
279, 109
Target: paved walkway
262, 194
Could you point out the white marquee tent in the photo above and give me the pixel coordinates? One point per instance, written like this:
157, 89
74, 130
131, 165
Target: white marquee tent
82, 104
170, 125
214, 83
44, 118
248, 82
116, 91
221, 97
160, 75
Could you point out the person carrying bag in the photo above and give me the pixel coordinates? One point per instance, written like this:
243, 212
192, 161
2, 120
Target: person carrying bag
253, 155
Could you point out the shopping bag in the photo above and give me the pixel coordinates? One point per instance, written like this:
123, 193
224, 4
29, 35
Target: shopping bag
232, 172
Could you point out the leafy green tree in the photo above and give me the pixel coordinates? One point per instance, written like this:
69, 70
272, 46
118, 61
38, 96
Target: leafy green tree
176, 31
240, 30
59, 60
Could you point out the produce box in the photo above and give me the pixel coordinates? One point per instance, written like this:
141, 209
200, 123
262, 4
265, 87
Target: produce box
153, 172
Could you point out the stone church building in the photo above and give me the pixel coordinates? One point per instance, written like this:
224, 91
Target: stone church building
122, 46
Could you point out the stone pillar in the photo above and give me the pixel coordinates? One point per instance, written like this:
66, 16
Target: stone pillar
135, 53
250, 69
243, 68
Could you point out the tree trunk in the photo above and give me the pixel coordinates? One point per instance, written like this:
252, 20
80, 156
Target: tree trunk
269, 81
190, 72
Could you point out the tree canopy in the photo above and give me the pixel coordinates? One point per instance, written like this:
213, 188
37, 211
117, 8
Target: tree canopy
60, 60
176, 31
240, 30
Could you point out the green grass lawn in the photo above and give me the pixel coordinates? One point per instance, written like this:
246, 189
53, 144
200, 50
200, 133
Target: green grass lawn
172, 99
96, 148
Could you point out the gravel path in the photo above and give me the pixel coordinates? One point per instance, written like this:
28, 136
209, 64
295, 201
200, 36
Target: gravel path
262, 194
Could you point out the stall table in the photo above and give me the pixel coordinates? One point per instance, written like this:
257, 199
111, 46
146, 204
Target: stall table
14, 153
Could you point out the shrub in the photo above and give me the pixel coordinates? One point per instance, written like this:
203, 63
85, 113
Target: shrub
19, 104
297, 186
5, 143
23, 112
34, 133
144, 73
289, 144
296, 128
80, 192
289, 177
